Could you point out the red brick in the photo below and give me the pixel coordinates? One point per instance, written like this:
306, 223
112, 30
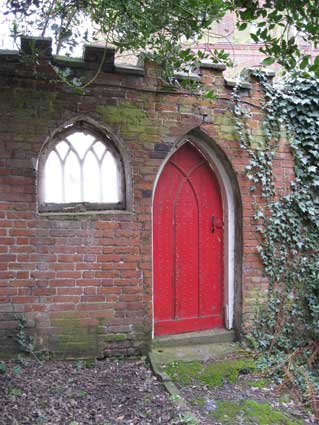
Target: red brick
95, 306
68, 275
92, 298
106, 225
43, 291
91, 267
7, 241
67, 299
62, 307
91, 290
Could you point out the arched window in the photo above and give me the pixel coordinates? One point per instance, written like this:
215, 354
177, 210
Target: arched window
81, 170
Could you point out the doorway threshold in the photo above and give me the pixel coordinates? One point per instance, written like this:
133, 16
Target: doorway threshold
211, 336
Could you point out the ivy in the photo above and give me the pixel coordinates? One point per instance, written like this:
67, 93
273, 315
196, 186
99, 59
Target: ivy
286, 331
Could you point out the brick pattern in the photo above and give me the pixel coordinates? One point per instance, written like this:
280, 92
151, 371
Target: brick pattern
84, 282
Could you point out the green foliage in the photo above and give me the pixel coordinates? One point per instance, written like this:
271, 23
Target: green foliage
165, 31
64, 20
25, 342
156, 30
287, 329
282, 27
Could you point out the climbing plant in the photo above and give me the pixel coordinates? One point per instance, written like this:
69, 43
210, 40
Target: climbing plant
287, 326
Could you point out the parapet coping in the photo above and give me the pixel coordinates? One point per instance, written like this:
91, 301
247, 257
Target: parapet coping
192, 76
213, 65
129, 69
241, 84
97, 56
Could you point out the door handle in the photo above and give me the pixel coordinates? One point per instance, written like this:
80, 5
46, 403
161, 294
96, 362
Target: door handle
216, 223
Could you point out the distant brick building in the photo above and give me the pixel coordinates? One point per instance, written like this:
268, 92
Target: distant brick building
125, 210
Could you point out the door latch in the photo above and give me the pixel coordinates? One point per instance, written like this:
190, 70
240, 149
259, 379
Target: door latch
213, 224
216, 223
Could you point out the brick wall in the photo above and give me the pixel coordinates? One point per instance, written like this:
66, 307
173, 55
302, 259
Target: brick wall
84, 281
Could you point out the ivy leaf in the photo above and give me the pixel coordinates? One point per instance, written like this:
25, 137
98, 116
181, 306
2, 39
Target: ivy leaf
268, 61
210, 94
305, 62
242, 26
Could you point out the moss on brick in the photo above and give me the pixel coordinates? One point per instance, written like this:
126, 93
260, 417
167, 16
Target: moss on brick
40, 103
33, 108
74, 339
115, 337
125, 113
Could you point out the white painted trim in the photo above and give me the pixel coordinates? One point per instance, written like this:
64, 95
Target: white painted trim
229, 219
228, 199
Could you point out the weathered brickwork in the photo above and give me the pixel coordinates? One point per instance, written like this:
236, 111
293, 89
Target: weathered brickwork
84, 281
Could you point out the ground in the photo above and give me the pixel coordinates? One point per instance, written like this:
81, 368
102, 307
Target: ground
221, 391
82, 393
230, 391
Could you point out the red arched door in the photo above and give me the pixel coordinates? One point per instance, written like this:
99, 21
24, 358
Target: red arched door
188, 246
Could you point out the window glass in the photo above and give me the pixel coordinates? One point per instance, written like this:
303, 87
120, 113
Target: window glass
72, 179
53, 179
92, 185
111, 193
83, 168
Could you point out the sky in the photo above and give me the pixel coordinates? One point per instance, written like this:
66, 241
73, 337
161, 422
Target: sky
8, 42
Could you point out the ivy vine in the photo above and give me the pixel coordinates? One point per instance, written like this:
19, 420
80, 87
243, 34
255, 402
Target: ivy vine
286, 332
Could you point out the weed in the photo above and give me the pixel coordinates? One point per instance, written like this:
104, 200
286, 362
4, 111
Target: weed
16, 370
15, 392
25, 342
185, 419
175, 397
3, 368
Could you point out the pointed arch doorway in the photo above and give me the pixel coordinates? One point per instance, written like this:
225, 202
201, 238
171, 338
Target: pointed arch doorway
188, 246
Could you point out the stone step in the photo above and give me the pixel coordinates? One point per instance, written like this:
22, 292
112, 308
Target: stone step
212, 336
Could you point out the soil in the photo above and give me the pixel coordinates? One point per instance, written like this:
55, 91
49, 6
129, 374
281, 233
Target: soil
227, 404
79, 393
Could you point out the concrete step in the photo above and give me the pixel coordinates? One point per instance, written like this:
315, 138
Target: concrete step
212, 336
201, 352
